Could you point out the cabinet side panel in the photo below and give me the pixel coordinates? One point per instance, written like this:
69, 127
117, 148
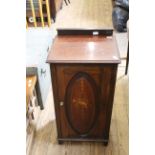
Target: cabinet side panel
111, 73
55, 96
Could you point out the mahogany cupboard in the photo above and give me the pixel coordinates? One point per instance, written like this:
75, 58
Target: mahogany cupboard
83, 72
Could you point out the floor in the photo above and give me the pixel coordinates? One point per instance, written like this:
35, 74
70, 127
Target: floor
86, 14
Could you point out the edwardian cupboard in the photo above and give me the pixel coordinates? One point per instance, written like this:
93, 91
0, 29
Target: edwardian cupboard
83, 72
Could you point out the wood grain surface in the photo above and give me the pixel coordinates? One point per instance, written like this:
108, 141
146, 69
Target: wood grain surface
91, 119
84, 49
86, 14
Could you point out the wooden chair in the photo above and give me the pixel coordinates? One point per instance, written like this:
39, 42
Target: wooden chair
66, 2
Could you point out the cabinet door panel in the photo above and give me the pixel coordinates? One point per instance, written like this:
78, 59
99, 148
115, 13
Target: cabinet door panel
81, 103
79, 89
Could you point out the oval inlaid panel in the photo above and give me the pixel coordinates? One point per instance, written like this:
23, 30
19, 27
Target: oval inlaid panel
81, 103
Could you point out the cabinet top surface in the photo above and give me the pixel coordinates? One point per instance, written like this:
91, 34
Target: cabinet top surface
84, 49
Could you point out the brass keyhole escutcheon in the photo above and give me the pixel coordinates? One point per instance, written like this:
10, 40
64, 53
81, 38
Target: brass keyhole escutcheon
61, 103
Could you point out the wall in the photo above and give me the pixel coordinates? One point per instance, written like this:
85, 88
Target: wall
38, 41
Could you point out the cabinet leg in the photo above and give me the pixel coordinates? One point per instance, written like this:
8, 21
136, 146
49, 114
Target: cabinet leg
60, 142
105, 143
106, 138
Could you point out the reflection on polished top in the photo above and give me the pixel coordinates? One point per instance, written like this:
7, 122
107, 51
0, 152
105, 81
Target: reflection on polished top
84, 49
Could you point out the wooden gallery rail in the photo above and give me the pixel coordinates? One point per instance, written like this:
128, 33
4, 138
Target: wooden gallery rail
38, 13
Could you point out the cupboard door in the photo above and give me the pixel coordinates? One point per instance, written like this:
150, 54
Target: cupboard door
81, 103
79, 100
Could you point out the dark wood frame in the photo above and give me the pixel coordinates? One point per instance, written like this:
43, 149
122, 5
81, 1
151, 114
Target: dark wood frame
90, 31
109, 106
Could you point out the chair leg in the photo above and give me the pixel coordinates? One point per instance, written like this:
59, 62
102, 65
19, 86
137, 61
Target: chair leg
65, 2
127, 61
